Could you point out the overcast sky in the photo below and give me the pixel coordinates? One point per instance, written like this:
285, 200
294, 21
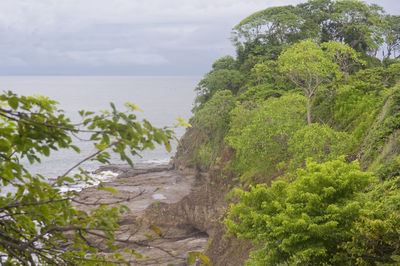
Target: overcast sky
122, 37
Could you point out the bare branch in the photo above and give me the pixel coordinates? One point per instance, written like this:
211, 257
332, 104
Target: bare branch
88, 158
26, 204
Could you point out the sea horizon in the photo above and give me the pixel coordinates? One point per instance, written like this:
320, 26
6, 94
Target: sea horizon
162, 98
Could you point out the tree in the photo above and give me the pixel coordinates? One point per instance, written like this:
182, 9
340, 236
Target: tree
345, 56
266, 32
217, 80
225, 62
376, 237
392, 36
305, 221
35, 216
355, 23
212, 122
310, 66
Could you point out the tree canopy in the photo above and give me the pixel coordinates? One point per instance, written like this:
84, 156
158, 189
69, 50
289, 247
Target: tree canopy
310, 66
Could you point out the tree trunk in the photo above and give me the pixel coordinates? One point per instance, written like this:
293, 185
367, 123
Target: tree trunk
308, 110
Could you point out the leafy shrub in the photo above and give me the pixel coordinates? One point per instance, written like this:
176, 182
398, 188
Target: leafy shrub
217, 80
305, 221
259, 135
319, 142
354, 111
202, 143
376, 237
381, 142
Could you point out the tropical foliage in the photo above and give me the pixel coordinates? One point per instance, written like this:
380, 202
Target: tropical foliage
313, 131
39, 224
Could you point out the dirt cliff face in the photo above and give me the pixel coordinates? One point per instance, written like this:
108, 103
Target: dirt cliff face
204, 209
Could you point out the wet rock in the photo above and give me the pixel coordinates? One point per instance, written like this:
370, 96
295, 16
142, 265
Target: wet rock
126, 171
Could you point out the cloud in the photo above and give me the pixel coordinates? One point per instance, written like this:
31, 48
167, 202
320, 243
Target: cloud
122, 57
175, 36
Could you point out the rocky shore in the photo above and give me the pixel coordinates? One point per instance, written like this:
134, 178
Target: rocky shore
148, 190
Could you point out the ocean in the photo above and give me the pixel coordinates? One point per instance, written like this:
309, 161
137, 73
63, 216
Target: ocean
162, 98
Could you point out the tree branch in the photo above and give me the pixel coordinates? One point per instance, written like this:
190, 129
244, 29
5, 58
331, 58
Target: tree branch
88, 158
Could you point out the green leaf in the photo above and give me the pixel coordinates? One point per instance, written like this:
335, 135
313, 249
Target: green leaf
108, 189
156, 229
204, 258
192, 257
75, 148
46, 150
13, 102
168, 146
133, 107
182, 122
4, 146
149, 237
62, 180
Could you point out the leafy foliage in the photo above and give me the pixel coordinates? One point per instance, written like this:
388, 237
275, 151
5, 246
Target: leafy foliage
259, 136
323, 213
35, 217
375, 237
319, 142
354, 111
211, 123
355, 23
381, 142
311, 66
224, 76
305, 221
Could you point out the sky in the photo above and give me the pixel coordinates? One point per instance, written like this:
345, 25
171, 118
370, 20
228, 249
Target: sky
123, 37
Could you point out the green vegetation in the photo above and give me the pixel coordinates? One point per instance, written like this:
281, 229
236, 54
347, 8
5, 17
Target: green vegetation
305, 117
260, 135
311, 131
305, 221
38, 223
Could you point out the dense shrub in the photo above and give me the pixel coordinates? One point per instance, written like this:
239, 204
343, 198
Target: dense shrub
303, 222
319, 142
203, 142
259, 136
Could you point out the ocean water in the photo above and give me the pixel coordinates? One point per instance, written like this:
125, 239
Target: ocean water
163, 99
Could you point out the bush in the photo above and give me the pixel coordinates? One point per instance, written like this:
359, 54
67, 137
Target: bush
303, 222
319, 142
259, 135
376, 237
203, 142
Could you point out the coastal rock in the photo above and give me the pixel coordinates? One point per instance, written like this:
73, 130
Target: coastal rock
144, 189
126, 171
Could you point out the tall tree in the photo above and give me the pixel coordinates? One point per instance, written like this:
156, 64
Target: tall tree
345, 56
358, 24
353, 22
392, 36
309, 67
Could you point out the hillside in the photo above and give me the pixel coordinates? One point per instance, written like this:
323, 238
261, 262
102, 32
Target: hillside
300, 135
